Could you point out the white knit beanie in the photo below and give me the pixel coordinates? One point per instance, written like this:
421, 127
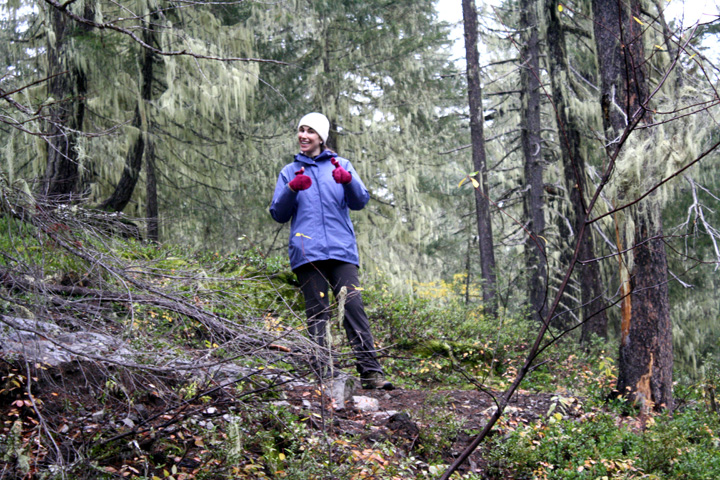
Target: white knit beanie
318, 122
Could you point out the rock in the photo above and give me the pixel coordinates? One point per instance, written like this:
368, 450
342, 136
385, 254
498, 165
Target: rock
142, 411
60, 350
342, 389
491, 410
28, 338
403, 425
380, 416
14, 328
366, 404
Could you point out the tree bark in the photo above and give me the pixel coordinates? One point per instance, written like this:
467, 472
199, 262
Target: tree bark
468, 265
646, 352
594, 318
531, 141
646, 357
482, 201
68, 87
151, 199
125, 187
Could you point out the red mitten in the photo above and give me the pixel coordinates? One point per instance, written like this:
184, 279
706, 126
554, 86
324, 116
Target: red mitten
300, 182
340, 175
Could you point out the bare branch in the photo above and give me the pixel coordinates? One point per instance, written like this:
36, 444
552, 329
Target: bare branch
140, 41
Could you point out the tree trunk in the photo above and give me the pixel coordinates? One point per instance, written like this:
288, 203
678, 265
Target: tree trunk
68, 87
133, 161
646, 352
151, 201
482, 201
535, 258
468, 264
594, 318
646, 357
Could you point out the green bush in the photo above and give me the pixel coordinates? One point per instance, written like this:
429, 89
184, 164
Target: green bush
447, 336
565, 449
683, 446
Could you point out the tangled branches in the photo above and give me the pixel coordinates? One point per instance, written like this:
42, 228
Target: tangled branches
90, 313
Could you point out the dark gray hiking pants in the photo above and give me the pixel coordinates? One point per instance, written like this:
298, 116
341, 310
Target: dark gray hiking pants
314, 280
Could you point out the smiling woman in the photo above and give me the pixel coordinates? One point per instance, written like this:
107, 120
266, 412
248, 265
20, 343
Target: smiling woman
313, 131
310, 141
316, 192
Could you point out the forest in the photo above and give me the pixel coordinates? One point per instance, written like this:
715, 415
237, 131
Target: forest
538, 257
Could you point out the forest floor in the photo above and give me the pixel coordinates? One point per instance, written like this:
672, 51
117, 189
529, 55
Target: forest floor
432, 422
137, 433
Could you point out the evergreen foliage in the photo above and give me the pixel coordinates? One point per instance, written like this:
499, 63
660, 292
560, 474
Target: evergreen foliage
221, 131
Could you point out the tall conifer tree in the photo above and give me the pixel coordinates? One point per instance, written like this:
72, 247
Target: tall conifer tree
646, 357
574, 164
477, 119
532, 147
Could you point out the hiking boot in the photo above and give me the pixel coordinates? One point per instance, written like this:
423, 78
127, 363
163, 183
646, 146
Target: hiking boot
375, 380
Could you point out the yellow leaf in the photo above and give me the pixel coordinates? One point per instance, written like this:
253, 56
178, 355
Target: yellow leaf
545, 239
659, 47
281, 456
475, 183
302, 235
691, 56
638, 20
463, 180
560, 7
558, 416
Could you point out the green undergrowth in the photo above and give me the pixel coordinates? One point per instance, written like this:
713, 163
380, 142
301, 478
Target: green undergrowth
602, 445
434, 344
425, 344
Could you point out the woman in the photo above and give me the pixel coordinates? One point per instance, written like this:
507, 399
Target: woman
317, 191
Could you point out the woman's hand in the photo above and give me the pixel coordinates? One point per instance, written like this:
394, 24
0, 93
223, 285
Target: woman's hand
300, 182
340, 175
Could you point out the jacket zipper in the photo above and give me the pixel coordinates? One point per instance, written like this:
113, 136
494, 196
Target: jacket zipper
326, 242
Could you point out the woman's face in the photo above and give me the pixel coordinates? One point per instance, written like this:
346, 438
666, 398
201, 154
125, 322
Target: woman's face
310, 141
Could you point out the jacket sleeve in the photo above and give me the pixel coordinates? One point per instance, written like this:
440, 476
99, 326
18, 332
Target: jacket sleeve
284, 202
356, 194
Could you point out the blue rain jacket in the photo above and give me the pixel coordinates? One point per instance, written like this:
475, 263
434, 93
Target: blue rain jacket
321, 228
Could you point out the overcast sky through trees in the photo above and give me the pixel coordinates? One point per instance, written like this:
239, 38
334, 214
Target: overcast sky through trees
688, 12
